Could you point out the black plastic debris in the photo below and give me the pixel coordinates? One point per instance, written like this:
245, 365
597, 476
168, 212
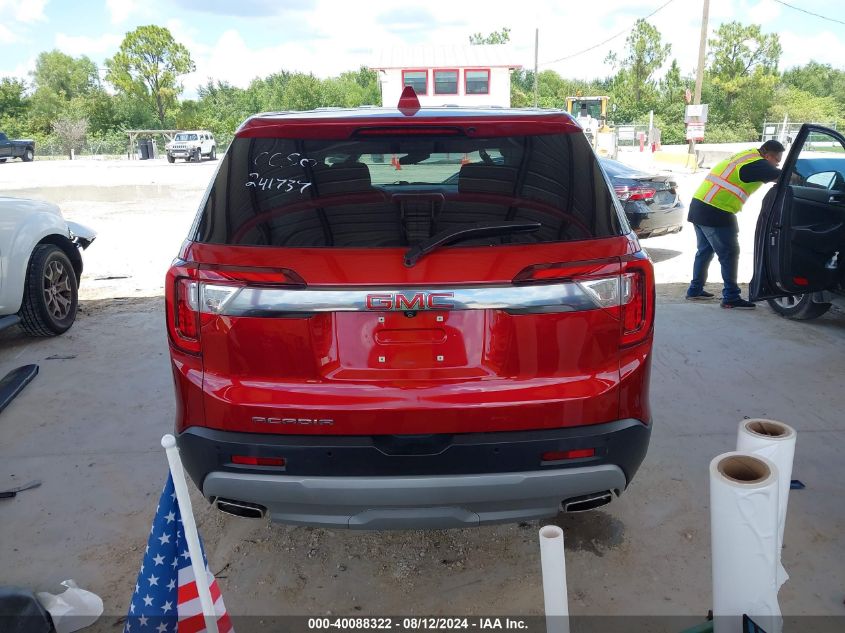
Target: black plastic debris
14, 382
20, 612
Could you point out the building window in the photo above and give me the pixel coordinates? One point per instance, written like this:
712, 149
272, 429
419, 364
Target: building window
417, 79
477, 82
445, 82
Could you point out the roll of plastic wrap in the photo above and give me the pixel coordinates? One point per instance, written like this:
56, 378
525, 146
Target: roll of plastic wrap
776, 441
743, 532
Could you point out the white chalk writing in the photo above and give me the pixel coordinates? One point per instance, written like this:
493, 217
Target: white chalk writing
280, 159
281, 184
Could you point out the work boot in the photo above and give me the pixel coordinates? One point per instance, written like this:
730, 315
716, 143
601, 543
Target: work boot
739, 302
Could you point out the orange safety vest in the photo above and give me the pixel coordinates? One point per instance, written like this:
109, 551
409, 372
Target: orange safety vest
723, 188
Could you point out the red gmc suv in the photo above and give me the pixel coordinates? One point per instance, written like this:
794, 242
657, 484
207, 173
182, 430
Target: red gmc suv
410, 318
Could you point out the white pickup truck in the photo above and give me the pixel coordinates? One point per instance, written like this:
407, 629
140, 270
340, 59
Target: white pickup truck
40, 266
194, 145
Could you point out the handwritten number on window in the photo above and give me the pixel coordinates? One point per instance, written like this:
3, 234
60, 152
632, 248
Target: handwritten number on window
264, 184
291, 160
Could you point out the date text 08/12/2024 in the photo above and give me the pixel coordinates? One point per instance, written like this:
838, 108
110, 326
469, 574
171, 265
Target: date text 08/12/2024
416, 623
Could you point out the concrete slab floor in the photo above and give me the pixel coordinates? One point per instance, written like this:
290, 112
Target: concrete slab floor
89, 427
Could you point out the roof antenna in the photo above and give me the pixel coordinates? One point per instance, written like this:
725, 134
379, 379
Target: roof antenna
409, 105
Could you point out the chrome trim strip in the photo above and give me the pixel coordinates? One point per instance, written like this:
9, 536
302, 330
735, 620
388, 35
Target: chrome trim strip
257, 301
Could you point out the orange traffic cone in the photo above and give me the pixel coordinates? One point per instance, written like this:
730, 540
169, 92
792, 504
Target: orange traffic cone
465, 159
395, 162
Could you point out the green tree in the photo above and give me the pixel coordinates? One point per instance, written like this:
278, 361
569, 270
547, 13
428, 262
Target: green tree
552, 89
738, 50
367, 81
820, 80
58, 79
149, 64
800, 105
268, 91
13, 102
669, 109
743, 66
221, 108
64, 75
644, 54
14, 106
496, 37
302, 92
673, 86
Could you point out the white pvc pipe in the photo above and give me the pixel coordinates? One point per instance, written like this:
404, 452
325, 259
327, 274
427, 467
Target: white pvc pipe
554, 579
190, 528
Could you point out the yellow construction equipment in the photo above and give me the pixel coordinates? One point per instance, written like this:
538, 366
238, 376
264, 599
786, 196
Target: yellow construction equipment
591, 114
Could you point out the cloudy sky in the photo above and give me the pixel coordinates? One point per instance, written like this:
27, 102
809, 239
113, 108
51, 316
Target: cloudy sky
236, 40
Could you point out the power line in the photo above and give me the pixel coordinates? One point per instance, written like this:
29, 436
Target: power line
610, 39
817, 15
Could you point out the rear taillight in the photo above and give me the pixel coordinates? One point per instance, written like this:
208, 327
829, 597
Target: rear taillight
195, 294
187, 313
598, 284
181, 299
625, 193
624, 289
638, 310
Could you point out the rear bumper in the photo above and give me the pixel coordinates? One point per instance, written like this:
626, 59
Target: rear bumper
412, 482
647, 222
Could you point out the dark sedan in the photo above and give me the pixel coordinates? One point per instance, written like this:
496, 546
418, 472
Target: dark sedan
650, 201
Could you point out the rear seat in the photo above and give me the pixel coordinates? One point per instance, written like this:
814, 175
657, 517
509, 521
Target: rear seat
501, 180
370, 222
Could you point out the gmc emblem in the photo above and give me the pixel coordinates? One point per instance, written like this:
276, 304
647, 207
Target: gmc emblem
399, 301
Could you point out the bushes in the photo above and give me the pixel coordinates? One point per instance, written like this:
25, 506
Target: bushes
110, 143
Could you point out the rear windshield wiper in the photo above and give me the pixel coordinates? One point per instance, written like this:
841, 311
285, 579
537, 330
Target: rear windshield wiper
482, 229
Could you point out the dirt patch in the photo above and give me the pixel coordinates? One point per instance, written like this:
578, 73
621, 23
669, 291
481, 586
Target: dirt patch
91, 307
594, 532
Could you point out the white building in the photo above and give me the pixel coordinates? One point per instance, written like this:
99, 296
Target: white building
471, 75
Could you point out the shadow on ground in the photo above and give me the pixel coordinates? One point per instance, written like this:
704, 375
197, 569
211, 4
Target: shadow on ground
660, 254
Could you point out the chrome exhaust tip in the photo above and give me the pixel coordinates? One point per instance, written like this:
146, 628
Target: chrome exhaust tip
243, 509
587, 502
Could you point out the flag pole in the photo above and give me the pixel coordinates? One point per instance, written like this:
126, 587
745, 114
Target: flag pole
190, 528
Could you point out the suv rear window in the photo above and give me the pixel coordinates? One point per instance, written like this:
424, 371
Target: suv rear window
398, 191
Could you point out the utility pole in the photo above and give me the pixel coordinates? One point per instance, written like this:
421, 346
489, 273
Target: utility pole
536, 52
702, 50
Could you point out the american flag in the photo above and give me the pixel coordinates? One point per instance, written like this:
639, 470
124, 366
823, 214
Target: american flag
166, 598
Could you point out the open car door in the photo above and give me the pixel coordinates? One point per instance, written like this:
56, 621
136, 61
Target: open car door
799, 245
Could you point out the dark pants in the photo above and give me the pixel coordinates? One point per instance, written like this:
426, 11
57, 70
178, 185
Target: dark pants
722, 240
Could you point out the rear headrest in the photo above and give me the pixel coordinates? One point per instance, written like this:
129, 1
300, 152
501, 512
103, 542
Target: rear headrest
343, 178
479, 178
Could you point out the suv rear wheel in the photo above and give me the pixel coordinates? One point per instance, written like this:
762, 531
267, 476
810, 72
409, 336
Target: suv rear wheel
798, 307
28, 155
50, 294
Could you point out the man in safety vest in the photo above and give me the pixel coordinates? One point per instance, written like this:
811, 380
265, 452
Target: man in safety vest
713, 215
